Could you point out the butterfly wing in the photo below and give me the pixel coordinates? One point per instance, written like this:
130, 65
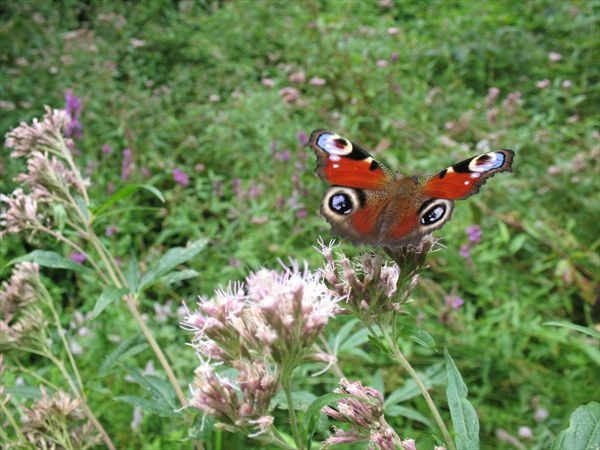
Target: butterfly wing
464, 179
343, 163
358, 195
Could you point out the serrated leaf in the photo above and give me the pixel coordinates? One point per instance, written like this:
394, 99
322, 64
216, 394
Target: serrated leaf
585, 330
129, 347
409, 413
433, 376
125, 192
584, 430
171, 259
28, 392
464, 417
301, 399
161, 390
420, 336
50, 259
312, 414
180, 275
109, 294
147, 405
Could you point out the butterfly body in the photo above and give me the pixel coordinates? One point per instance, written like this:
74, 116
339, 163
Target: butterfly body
368, 204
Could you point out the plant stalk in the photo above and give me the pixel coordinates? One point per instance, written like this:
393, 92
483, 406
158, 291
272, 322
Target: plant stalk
287, 378
399, 357
79, 394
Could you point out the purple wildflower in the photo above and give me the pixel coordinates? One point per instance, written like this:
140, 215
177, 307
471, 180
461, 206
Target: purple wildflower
126, 164
394, 57
73, 106
110, 230
474, 233
465, 251
181, 177
145, 172
77, 257
73, 109
303, 138
107, 149
283, 155
301, 214
454, 301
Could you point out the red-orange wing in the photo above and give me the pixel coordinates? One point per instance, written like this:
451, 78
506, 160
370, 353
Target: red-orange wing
466, 177
342, 163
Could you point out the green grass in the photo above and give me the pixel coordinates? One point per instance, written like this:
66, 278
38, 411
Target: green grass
538, 257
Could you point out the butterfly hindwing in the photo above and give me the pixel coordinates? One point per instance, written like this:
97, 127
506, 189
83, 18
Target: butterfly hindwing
342, 163
464, 179
354, 213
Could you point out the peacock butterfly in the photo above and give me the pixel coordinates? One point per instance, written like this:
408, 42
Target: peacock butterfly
368, 204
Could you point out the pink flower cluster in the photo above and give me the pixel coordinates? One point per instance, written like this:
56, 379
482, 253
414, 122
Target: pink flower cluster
263, 328
363, 411
371, 286
217, 396
272, 315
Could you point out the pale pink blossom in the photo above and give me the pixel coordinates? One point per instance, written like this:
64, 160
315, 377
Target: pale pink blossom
491, 97
543, 84
554, 57
316, 81
363, 412
525, 432
298, 77
289, 94
268, 82
44, 135
393, 30
567, 84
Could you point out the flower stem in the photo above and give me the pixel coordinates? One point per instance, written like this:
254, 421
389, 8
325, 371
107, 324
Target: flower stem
79, 394
63, 338
278, 440
12, 421
287, 387
399, 357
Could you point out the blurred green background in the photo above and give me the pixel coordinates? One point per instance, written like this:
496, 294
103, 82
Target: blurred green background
227, 92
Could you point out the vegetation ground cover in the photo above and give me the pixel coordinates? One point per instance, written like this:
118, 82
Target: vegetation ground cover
212, 102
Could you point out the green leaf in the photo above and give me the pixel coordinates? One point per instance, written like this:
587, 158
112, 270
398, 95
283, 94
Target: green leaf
419, 336
129, 347
409, 413
433, 376
133, 275
584, 430
464, 417
180, 275
60, 215
585, 330
313, 412
301, 399
28, 392
49, 259
161, 390
147, 405
109, 294
171, 259
125, 192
